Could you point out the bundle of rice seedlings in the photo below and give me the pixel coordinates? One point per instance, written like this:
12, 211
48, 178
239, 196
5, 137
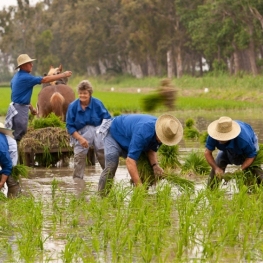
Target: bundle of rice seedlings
203, 136
190, 131
145, 170
189, 123
180, 182
259, 158
52, 120
196, 163
148, 178
151, 102
168, 156
20, 170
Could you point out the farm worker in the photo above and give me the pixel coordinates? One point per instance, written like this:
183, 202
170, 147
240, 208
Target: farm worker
22, 85
237, 144
8, 159
130, 135
84, 116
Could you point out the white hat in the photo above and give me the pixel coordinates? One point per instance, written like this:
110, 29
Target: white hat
223, 129
5, 130
23, 59
169, 129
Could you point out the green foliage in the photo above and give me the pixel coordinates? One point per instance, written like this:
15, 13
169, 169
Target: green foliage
195, 162
168, 156
52, 120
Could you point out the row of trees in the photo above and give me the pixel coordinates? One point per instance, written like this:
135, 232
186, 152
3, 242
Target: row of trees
139, 37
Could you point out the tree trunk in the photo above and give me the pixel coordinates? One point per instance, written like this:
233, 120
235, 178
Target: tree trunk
236, 60
150, 67
170, 64
179, 62
251, 53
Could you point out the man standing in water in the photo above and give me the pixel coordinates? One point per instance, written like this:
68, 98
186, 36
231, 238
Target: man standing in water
237, 144
22, 85
130, 135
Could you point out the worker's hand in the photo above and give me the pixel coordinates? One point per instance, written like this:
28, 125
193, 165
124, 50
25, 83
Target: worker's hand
67, 74
219, 172
83, 142
33, 111
157, 170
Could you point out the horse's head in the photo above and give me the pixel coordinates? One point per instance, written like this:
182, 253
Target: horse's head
55, 71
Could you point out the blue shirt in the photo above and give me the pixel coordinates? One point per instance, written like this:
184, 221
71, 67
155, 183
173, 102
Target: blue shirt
5, 159
243, 144
22, 86
93, 114
135, 133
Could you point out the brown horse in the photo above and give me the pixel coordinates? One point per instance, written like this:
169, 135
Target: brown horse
55, 97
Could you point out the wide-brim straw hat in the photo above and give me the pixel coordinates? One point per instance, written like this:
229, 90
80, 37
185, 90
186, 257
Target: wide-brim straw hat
223, 129
5, 130
23, 59
169, 129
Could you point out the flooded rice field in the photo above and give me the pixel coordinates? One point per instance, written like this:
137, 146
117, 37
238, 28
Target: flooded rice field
62, 220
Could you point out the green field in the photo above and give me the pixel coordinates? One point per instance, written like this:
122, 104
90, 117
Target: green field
224, 93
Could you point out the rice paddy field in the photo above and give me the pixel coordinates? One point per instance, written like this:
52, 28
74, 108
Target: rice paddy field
57, 219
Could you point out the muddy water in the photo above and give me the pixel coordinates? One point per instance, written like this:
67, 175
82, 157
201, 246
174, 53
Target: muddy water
39, 183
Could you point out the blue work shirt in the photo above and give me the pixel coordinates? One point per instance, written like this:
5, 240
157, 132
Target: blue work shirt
77, 118
135, 133
243, 144
5, 159
22, 85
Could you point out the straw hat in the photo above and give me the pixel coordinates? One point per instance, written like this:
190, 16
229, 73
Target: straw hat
224, 129
23, 59
5, 130
169, 129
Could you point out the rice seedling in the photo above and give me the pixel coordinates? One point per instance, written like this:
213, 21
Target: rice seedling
20, 170
169, 156
190, 131
52, 120
196, 163
148, 177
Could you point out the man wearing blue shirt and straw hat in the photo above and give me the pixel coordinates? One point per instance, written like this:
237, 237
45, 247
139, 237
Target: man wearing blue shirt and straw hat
237, 144
22, 85
130, 135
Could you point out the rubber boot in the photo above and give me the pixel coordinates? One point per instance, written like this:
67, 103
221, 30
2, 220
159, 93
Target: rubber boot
101, 158
79, 165
14, 189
